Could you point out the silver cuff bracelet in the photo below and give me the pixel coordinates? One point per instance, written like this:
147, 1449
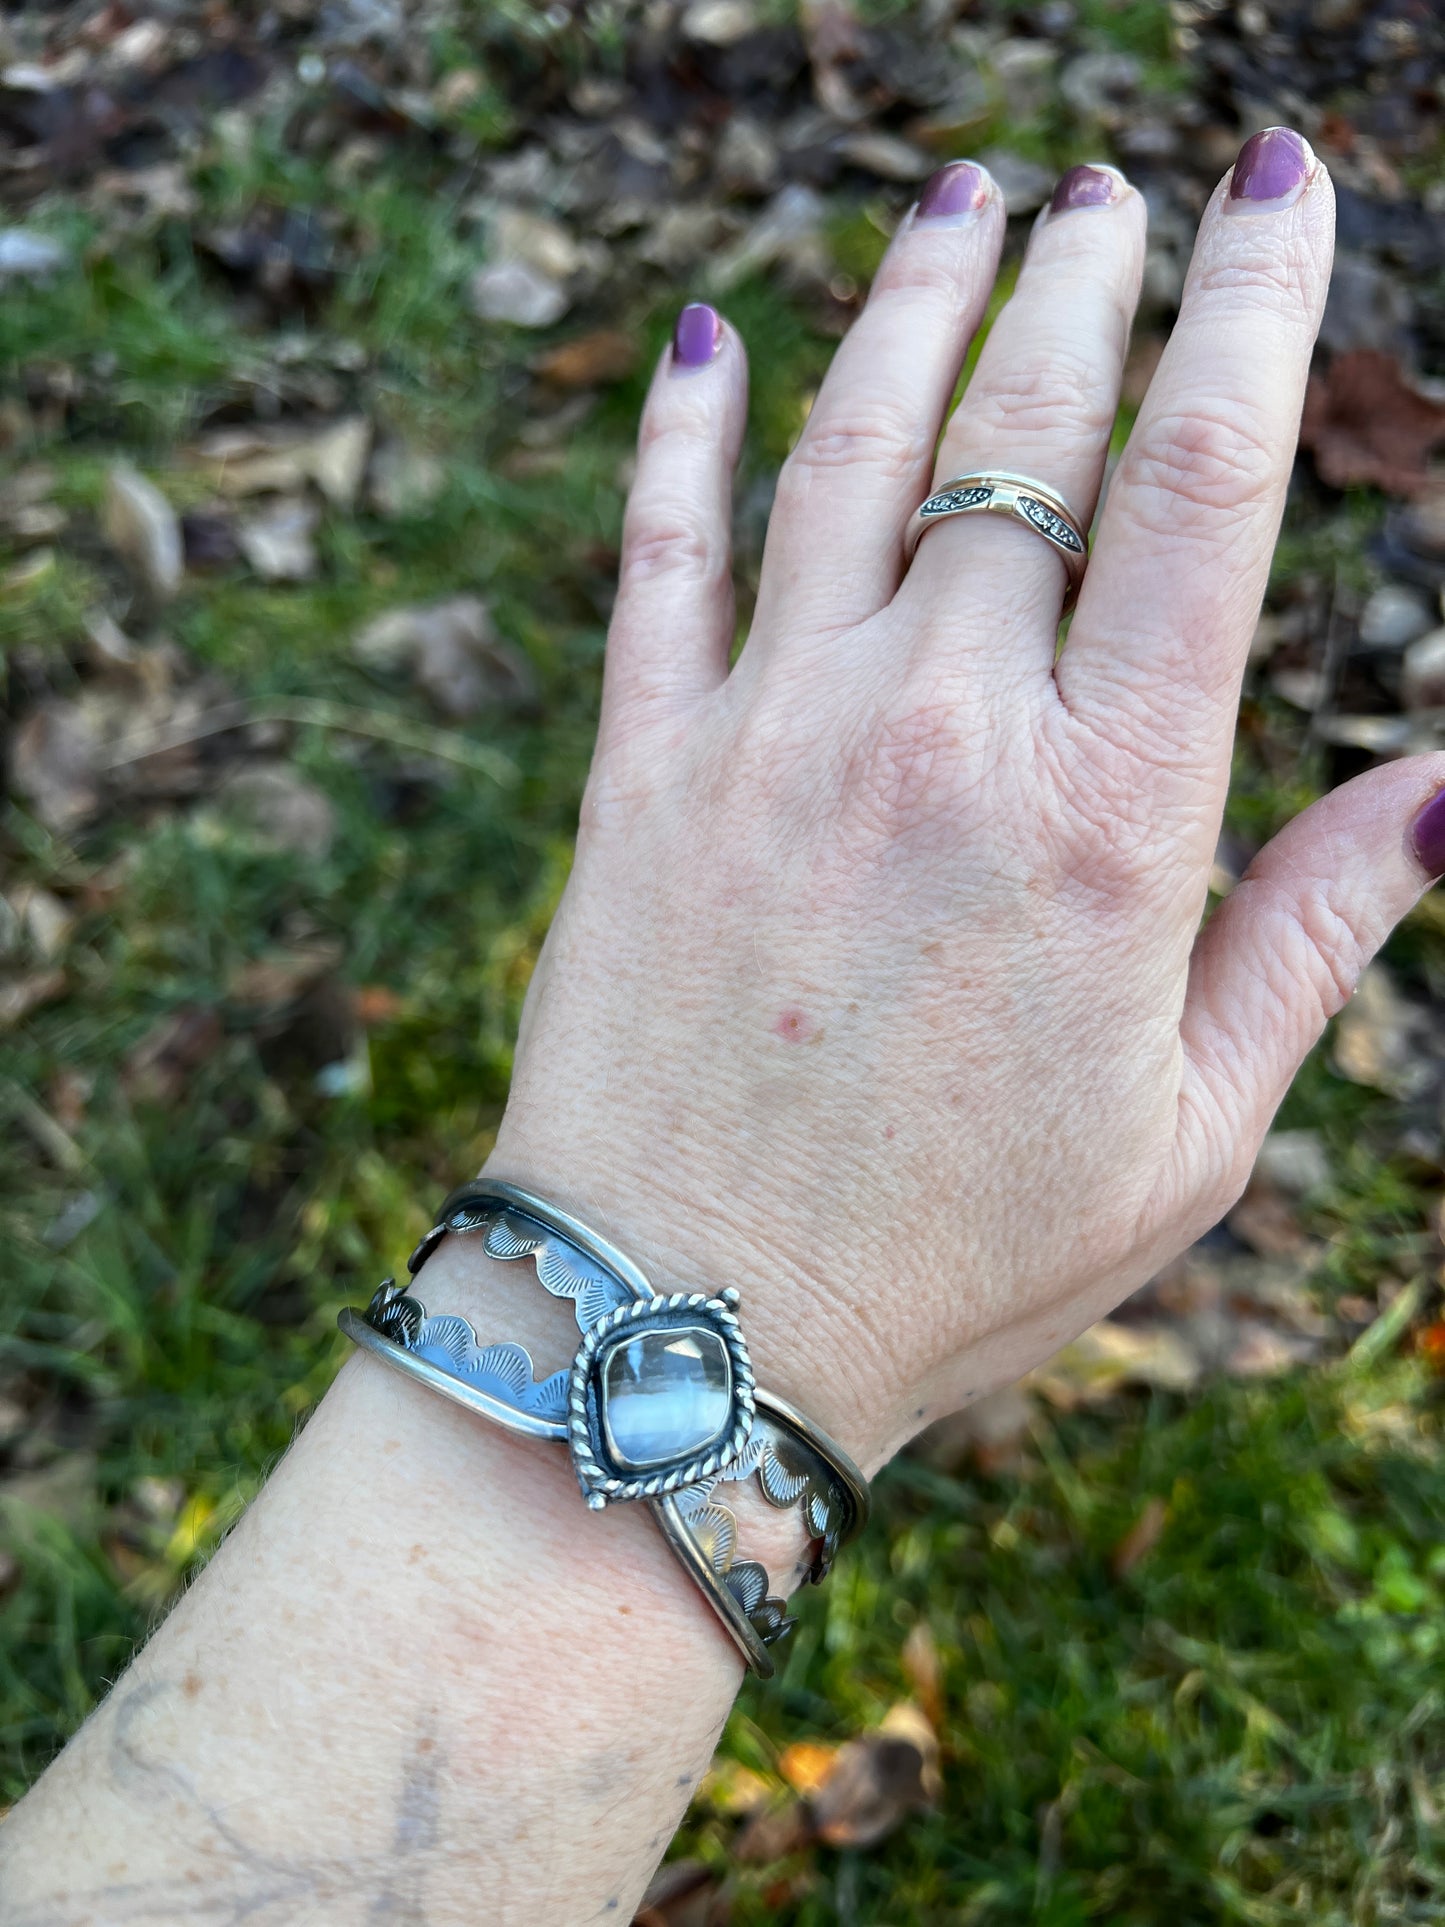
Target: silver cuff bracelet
659, 1404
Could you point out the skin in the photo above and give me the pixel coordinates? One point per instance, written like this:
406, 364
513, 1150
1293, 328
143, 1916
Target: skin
878, 991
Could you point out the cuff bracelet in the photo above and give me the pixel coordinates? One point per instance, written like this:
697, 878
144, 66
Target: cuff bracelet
659, 1404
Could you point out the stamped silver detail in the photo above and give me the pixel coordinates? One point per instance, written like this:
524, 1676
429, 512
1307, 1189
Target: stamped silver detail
796, 1465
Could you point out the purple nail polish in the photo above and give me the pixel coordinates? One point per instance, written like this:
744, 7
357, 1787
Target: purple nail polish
1427, 833
959, 188
1272, 166
1085, 187
697, 336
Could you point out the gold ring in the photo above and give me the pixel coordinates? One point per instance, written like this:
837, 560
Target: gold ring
996, 492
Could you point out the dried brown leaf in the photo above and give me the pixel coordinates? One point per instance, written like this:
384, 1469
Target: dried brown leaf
20, 995
1365, 423
143, 529
159, 1067
877, 1780
607, 354
1141, 1538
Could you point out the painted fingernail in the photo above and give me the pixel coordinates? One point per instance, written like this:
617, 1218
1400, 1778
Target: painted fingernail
1428, 835
1086, 187
1271, 170
958, 189
697, 336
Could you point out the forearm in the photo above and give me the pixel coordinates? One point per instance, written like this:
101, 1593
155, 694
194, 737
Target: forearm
419, 1671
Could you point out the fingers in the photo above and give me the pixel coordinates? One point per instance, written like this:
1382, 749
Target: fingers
862, 463
1158, 644
1042, 400
1286, 948
672, 624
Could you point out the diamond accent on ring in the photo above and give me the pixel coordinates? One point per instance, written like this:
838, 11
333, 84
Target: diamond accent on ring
949, 500
1048, 523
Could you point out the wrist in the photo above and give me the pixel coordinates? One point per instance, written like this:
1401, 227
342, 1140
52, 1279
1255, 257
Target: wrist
809, 1345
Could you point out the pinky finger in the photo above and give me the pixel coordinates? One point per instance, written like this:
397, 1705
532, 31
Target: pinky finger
672, 626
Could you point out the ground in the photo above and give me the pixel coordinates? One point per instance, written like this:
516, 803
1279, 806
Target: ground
322, 338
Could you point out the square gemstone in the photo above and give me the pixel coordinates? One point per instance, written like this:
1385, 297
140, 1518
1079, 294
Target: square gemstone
666, 1394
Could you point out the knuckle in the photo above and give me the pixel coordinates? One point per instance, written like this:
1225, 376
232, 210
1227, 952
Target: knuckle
1197, 472
1270, 282
875, 433
918, 276
1335, 954
672, 545
1059, 393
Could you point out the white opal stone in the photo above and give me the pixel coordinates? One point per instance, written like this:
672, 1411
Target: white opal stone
665, 1395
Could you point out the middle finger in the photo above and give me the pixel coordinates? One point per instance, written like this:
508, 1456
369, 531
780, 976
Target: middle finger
1041, 402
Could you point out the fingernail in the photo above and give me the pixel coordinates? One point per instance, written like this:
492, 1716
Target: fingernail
1428, 835
1086, 187
958, 189
1271, 170
697, 336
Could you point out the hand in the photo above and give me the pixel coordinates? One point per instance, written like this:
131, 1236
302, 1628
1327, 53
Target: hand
878, 988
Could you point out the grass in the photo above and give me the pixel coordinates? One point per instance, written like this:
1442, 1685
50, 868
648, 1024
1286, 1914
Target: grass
1247, 1728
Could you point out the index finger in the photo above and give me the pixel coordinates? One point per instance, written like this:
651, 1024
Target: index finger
1156, 654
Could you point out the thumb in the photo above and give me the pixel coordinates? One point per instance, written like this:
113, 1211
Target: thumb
1286, 948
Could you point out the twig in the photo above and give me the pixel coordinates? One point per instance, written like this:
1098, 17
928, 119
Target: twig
316, 712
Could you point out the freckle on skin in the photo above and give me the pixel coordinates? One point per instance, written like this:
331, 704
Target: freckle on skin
417, 1552
191, 1685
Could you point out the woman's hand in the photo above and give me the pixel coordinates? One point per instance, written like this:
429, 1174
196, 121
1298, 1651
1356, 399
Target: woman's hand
878, 988
876, 991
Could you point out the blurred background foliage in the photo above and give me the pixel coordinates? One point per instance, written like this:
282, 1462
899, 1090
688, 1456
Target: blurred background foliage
323, 333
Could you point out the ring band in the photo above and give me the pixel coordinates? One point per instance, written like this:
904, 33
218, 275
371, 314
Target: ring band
796, 1465
997, 492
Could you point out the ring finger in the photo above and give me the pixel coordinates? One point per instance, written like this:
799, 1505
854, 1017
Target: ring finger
1041, 403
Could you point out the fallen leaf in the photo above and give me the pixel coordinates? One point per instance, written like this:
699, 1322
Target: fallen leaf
45, 920
273, 981
806, 1764
377, 1004
20, 995
254, 461
54, 760
143, 529
990, 1433
66, 1490
588, 360
1422, 674
877, 1780
1364, 423
773, 1833
277, 543
516, 292
719, 23
453, 653
1375, 1037
402, 480
683, 1893
886, 156
1141, 1538
1109, 1356
282, 809
923, 1669
158, 1068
